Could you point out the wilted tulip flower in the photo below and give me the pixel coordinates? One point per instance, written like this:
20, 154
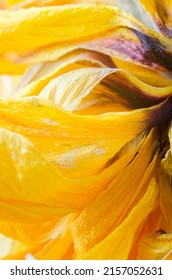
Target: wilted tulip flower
85, 130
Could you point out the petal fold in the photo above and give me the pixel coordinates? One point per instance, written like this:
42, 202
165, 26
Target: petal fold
110, 207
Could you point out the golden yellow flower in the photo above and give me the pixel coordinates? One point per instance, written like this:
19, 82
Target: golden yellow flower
85, 131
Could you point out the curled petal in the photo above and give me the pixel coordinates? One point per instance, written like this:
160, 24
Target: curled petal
117, 86
37, 76
147, 75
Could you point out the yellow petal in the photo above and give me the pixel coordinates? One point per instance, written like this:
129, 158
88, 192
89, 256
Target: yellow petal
121, 87
150, 225
33, 28
118, 243
17, 4
55, 132
165, 190
110, 208
112, 34
25, 198
128, 41
57, 247
154, 246
10, 68
30, 233
37, 77
161, 14
148, 76
118, 86
59, 89
21, 191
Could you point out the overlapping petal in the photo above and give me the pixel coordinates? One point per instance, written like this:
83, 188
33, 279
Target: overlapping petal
33, 28
117, 245
117, 87
27, 168
110, 208
137, 43
85, 136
